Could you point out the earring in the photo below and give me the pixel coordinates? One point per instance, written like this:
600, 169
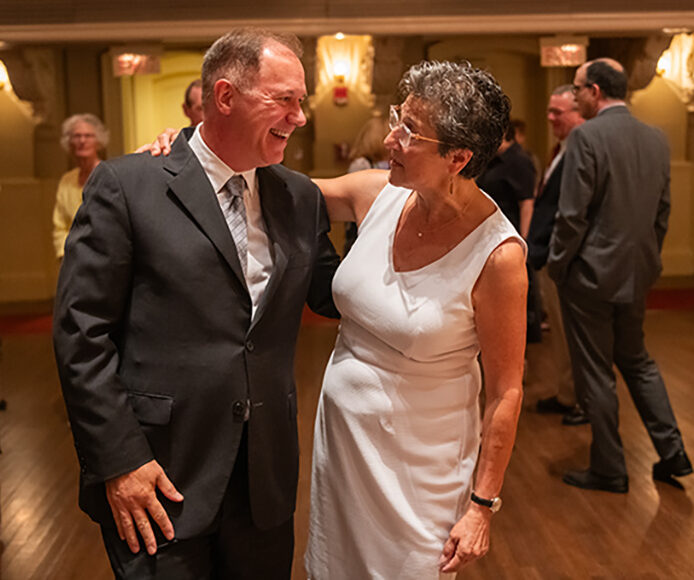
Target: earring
450, 186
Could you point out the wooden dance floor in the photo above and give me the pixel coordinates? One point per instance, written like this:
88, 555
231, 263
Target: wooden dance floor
546, 530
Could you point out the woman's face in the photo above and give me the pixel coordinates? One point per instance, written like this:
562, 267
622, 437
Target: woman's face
83, 142
419, 165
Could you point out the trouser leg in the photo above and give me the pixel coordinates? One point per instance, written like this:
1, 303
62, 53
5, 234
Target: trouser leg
589, 332
234, 550
559, 349
644, 380
243, 551
178, 560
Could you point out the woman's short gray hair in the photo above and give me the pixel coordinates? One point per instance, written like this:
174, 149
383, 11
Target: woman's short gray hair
100, 130
467, 108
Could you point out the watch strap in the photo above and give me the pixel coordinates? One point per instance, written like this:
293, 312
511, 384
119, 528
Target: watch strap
481, 501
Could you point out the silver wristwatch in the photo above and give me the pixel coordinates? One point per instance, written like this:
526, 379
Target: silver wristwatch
493, 504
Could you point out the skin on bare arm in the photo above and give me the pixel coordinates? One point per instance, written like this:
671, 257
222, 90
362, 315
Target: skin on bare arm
162, 144
132, 496
349, 197
499, 299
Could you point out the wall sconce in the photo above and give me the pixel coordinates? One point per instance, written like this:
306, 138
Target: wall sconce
564, 51
344, 65
4, 78
128, 61
340, 90
676, 65
340, 71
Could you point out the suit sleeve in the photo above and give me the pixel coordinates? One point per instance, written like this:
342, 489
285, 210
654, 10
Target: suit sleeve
320, 295
663, 213
91, 301
576, 195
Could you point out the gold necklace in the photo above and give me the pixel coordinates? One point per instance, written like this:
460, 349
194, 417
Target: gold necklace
459, 216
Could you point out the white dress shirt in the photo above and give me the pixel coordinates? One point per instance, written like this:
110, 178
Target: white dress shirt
555, 161
260, 260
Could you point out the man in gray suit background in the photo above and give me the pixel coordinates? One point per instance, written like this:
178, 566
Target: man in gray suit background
604, 256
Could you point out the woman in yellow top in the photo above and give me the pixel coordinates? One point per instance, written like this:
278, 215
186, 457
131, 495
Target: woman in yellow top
84, 136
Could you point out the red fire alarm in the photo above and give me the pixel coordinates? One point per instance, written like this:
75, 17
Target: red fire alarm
340, 96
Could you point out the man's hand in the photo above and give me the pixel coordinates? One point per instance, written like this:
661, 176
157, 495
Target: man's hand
161, 145
467, 541
132, 495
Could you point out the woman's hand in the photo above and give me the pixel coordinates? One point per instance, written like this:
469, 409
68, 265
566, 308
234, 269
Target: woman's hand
467, 541
161, 145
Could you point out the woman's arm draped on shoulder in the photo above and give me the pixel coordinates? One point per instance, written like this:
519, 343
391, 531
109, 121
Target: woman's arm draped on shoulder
348, 198
499, 300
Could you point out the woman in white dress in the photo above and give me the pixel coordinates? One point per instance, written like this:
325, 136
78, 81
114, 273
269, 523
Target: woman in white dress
437, 275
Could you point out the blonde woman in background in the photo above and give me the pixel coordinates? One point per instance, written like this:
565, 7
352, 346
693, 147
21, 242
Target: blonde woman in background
84, 136
368, 152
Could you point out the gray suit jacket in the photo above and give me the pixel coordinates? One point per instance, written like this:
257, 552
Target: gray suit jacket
154, 340
613, 208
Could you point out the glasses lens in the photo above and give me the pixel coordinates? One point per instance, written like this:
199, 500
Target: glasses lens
393, 119
405, 136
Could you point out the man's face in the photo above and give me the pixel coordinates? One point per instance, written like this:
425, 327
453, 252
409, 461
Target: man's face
586, 95
563, 115
193, 109
265, 114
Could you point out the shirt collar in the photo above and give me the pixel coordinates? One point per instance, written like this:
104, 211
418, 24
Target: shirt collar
216, 170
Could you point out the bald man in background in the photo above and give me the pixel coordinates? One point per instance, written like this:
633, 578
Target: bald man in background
605, 256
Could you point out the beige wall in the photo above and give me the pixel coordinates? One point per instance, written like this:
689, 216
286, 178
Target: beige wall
151, 103
659, 105
136, 110
17, 148
28, 267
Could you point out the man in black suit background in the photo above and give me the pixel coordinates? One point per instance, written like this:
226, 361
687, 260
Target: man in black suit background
178, 307
605, 256
563, 117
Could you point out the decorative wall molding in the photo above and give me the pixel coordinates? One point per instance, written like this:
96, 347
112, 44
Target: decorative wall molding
205, 30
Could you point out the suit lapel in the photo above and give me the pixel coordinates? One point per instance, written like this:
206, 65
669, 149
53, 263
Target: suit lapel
278, 214
190, 185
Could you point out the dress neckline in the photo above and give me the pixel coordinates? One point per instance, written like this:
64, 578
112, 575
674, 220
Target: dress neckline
391, 239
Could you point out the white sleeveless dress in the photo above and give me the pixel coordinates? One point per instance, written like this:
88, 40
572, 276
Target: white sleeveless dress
398, 427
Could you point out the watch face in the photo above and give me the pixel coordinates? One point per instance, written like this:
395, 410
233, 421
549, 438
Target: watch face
496, 505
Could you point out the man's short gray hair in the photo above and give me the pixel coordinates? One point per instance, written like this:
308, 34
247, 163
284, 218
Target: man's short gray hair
236, 56
467, 108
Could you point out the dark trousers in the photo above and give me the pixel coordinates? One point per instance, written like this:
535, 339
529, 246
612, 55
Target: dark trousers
602, 333
235, 550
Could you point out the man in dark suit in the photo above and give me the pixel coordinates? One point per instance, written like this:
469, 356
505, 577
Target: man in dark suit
178, 307
563, 116
604, 256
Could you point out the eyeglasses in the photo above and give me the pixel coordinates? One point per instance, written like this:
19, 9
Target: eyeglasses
576, 88
78, 136
405, 135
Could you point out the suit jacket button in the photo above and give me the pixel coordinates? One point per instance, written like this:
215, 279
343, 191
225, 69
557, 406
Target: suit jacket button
238, 409
250, 347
